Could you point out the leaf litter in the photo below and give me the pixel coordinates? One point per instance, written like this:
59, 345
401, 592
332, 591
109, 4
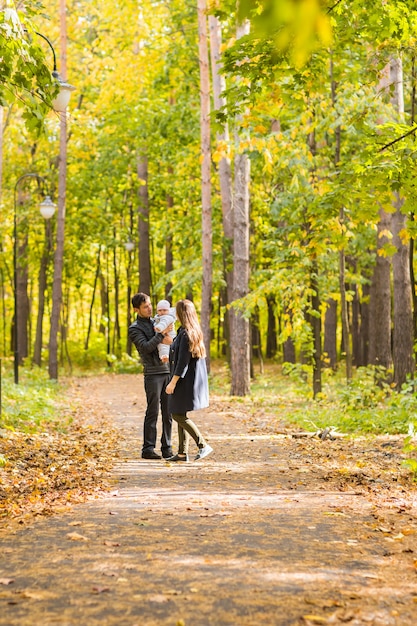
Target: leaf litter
274, 529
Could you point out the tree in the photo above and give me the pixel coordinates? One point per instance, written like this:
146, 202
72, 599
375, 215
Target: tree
143, 225
239, 323
402, 293
207, 279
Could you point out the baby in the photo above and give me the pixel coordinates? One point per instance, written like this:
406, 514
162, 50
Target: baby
165, 315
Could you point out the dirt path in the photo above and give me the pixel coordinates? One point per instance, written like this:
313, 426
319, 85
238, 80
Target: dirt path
269, 530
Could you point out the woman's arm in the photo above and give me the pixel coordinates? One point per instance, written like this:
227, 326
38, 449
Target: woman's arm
171, 385
182, 356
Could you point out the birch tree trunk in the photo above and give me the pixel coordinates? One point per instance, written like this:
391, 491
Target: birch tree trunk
225, 174
205, 174
239, 325
60, 231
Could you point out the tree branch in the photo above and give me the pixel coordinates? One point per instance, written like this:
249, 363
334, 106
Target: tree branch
391, 143
334, 6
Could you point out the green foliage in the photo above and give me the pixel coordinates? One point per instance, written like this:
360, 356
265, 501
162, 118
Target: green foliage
284, 396
410, 447
126, 364
31, 405
367, 390
298, 26
25, 78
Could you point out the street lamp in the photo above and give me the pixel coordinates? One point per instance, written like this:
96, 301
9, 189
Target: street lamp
47, 209
61, 101
129, 245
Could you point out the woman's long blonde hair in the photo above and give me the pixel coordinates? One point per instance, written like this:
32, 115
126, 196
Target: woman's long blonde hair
187, 316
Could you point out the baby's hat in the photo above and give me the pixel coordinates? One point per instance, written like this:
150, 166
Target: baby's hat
163, 304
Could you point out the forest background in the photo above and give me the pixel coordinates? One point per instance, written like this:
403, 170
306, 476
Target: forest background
258, 160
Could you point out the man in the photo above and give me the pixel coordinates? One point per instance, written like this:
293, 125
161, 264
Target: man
156, 374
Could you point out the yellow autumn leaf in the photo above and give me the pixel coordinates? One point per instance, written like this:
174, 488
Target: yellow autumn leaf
404, 236
385, 233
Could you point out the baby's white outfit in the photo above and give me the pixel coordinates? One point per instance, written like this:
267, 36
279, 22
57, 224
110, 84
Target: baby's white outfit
160, 323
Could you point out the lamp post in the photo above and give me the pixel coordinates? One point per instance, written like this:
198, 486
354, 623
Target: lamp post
47, 209
129, 245
61, 101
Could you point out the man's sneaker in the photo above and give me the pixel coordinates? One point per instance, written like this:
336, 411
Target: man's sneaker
151, 454
178, 457
167, 454
203, 452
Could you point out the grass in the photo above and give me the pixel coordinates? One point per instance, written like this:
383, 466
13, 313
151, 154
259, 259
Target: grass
360, 407
283, 394
31, 405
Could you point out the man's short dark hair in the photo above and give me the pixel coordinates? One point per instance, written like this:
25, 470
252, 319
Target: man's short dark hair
138, 299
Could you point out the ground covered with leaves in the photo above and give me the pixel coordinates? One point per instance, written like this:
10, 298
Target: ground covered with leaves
276, 527
62, 462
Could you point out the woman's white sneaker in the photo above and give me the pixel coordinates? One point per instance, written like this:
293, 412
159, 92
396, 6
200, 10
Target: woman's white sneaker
203, 452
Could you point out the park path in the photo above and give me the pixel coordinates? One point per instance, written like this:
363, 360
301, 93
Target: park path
249, 536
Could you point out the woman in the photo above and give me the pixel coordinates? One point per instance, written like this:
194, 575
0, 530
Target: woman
188, 387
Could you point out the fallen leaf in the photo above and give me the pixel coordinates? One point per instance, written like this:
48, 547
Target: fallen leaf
100, 589
159, 598
76, 537
6, 581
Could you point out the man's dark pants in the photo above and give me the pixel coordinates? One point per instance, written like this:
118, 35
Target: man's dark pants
155, 395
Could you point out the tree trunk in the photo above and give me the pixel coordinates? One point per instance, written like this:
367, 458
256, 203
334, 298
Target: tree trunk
207, 234
355, 325
37, 352
271, 333
402, 309
169, 257
239, 325
104, 293
116, 348
256, 341
225, 174
108, 318
90, 315
288, 351
60, 231
412, 217
344, 313
22, 297
364, 330
143, 226
316, 326
330, 334
380, 301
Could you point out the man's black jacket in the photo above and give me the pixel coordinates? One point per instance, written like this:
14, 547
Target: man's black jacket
143, 336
